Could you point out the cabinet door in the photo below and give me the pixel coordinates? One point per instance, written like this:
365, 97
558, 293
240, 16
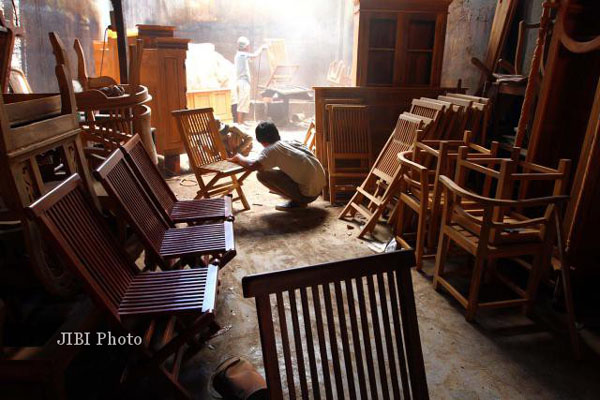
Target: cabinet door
381, 49
418, 49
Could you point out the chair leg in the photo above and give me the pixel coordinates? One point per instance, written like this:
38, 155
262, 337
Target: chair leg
240, 192
567, 292
440, 259
332, 192
420, 243
348, 209
535, 276
370, 225
474, 288
400, 211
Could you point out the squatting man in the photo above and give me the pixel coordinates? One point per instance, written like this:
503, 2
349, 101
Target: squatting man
288, 169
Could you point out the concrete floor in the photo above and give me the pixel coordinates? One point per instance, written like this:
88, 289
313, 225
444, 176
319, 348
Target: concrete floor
503, 355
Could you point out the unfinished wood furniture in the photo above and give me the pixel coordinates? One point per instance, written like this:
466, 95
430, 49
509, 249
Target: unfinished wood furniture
86, 81
421, 192
167, 309
310, 137
349, 148
370, 349
399, 43
483, 112
566, 125
163, 72
217, 99
385, 104
166, 245
503, 17
434, 111
122, 115
282, 71
499, 227
199, 133
178, 211
372, 197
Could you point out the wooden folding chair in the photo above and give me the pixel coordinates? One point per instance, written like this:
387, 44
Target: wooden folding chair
435, 111
163, 242
499, 227
207, 154
178, 211
311, 137
372, 197
462, 116
349, 155
421, 192
167, 310
370, 349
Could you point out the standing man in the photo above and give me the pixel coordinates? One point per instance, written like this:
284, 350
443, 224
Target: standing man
242, 70
299, 176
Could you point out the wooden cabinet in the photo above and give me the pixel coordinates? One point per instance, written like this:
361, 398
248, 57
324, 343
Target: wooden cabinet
163, 72
399, 42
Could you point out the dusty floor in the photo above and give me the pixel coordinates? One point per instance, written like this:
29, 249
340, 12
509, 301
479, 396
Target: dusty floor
501, 356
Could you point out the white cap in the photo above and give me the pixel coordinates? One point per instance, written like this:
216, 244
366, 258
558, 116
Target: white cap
243, 42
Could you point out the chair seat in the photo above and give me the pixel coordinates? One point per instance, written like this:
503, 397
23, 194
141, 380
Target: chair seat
198, 239
517, 244
171, 292
205, 209
223, 167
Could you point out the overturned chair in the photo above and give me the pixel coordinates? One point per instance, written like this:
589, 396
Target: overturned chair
168, 310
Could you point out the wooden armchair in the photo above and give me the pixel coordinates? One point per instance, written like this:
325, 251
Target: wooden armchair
349, 155
499, 227
375, 193
207, 154
420, 189
163, 242
375, 295
86, 81
178, 211
167, 310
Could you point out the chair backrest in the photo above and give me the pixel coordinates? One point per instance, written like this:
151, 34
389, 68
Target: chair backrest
120, 182
345, 329
348, 129
148, 174
406, 132
198, 130
310, 137
427, 109
78, 232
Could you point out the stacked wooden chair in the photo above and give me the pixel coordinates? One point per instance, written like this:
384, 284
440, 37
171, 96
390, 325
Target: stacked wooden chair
166, 245
377, 190
177, 211
434, 111
420, 190
349, 154
501, 225
208, 157
170, 311
372, 350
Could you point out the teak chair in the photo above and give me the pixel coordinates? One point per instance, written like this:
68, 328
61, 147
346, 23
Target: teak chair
420, 189
379, 187
163, 242
499, 228
435, 111
349, 155
328, 357
182, 302
178, 211
207, 154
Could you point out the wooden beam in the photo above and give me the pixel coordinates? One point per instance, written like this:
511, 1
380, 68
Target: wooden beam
121, 39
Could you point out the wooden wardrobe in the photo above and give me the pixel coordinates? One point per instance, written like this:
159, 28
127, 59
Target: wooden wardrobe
567, 125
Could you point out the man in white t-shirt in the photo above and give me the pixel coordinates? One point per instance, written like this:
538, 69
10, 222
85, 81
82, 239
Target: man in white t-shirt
286, 168
242, 76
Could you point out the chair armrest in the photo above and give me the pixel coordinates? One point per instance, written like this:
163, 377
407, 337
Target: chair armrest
409, 163
489, 202
100, 82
